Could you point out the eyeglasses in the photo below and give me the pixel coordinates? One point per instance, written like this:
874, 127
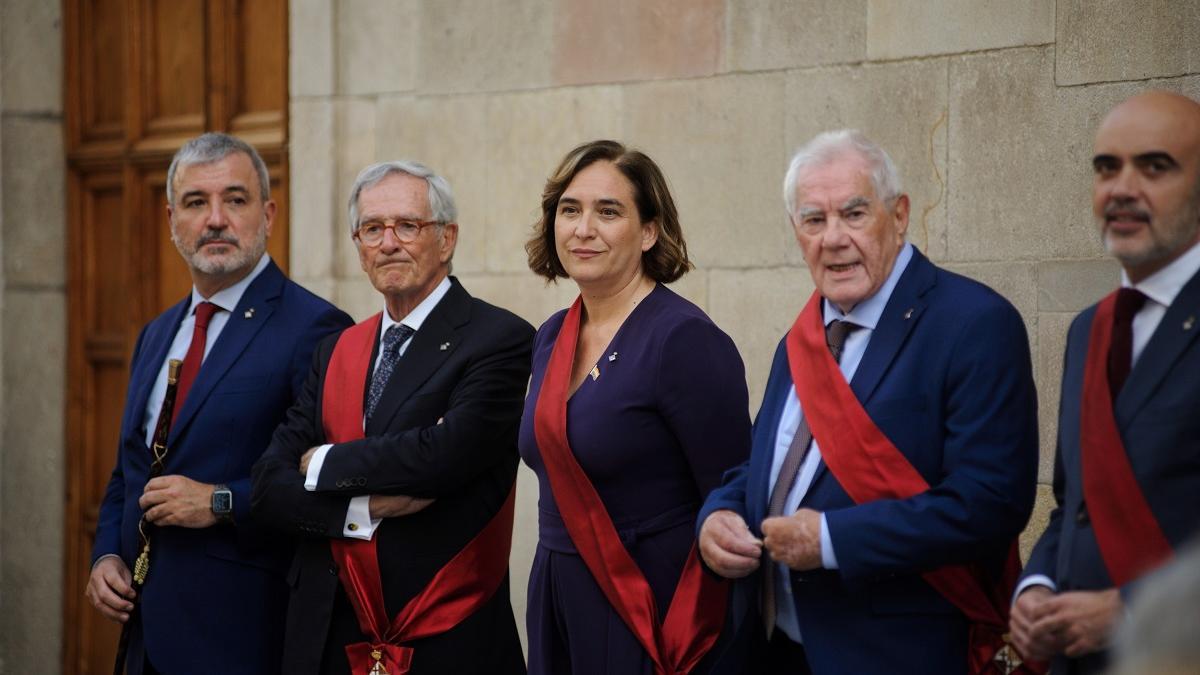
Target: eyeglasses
371, 232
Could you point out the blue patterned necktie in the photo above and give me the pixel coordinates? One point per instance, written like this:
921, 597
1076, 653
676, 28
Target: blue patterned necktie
392, 339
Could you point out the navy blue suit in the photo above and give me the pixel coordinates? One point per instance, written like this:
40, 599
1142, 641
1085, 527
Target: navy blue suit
946, 376
215, 598
1157, 417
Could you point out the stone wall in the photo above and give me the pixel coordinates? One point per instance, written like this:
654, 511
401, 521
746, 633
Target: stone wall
33, 335
987, 108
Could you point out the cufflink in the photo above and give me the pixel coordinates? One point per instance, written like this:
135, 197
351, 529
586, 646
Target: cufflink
353, 527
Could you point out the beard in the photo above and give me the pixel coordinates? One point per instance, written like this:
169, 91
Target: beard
1168, 236
244, 255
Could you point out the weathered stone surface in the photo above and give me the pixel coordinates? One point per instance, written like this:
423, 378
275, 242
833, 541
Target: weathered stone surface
354, 129
1108, 40
1052, 339
756, 307
526, 295
311, 53
720, 144
913, 131
31, 56
1038, 520
448, 134
315, 219
693, 286
771, 34
524, 544
1073, 285
528, 135
1006, 172
377, 45
623, 40
34, 218
31, 475
903, 28
469, 46
356, 296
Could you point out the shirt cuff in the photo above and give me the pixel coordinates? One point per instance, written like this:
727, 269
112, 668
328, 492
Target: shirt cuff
106, 555
314, 467
359, 523
1034, 580
828, 559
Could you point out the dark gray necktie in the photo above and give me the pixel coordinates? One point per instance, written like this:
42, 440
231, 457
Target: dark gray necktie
835, 339
392, 339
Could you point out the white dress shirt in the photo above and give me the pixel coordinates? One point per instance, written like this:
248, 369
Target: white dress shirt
359, 523
866, 315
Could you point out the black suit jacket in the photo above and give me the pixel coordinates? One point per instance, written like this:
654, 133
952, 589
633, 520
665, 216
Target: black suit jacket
445, 428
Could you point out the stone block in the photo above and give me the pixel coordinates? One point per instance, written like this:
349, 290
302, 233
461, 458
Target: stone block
317, 223
528, 134
354, 147
898, 29
524, 544
357, 297
377, 45
31, 56
756, 308
470, 46
773, 34
1006, 172
34, 217
32, 493
1109, 40
526, 295
1037, 520
1073, 285
636, 40
448, 134
311, 38
914, 135
720, 143
1052, 340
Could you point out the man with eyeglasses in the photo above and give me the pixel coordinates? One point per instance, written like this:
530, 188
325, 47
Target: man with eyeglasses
396, 466
894, 455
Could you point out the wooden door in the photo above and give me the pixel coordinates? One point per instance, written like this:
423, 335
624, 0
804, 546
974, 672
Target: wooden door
142, 77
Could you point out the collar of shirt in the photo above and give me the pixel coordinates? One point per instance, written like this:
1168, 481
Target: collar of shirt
418, 315
866, 313
227, 299
1165, 284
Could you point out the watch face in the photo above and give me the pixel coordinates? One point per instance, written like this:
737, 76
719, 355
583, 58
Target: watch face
222, 501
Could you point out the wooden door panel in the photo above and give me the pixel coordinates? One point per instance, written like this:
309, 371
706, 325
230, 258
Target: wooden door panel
102, 52
257, 29
175, 79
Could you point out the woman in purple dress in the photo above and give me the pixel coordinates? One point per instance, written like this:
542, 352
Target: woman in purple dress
636, 407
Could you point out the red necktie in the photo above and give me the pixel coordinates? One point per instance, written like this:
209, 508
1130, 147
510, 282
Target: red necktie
195, 354
1120, 354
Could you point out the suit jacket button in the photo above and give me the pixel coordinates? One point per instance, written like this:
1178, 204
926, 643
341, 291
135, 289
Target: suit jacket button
1081, 516
333, 570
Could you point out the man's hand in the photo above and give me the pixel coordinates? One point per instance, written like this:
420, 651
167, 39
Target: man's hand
727, 546
1084, 619
1030, 607
394, 506
305, 459
178, 500
110, 589
794, 540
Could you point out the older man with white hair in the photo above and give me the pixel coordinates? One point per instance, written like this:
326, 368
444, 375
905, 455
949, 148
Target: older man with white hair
894, 456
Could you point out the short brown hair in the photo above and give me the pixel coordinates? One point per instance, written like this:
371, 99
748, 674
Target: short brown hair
665, 262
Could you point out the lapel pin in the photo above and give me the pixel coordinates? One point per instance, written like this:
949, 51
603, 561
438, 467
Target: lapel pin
1189, 322
249, 313
908, 313
612, 357
444, 346
595, 373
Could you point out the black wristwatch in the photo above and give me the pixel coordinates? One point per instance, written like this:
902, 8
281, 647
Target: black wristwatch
222, 504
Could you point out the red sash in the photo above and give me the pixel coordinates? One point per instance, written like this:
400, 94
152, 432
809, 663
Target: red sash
455, 592
869, 467
697, 610
1130, 539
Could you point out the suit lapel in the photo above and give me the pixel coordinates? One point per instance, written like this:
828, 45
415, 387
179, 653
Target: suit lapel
765, 432
437, 339
1175, 334
261, 296
154, 352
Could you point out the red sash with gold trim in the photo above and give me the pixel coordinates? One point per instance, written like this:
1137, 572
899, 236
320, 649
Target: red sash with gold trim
464, 584
697, 611
869, 467
1130, 539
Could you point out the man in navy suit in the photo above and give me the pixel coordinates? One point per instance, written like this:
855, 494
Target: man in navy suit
940, 365
214, 597
1129, 495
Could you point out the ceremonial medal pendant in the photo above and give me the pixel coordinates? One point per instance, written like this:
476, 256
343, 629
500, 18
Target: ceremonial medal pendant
377, 668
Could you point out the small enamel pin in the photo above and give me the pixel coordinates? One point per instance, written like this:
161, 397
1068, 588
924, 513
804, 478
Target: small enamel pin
444, 346
908, 314
1189, 322
595, 373
249, 313
612, 357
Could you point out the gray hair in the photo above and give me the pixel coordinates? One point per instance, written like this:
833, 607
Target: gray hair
441, 197
1161, 633
213, 147
829, 145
